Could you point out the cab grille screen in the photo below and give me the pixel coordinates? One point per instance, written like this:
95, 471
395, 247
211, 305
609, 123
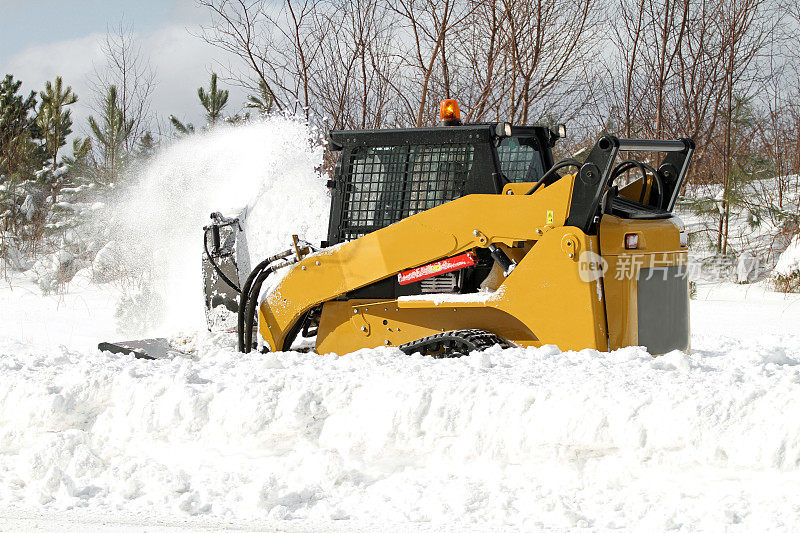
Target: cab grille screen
385, 184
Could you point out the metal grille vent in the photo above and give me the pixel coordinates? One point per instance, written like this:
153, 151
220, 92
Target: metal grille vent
386, 184
442, 283
662, 302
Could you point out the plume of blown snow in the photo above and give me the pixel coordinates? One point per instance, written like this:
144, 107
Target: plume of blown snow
268, 168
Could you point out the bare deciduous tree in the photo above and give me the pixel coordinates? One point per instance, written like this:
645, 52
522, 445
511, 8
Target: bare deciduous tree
129, 70
745, 26
358, 63
427, 24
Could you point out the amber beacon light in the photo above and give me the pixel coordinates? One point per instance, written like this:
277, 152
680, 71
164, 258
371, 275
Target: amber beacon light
449, 113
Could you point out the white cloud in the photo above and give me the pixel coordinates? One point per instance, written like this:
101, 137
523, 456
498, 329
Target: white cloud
72, 60
182, 62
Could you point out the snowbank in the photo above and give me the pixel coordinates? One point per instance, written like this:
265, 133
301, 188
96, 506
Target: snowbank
789, 261
518, 438
786, 274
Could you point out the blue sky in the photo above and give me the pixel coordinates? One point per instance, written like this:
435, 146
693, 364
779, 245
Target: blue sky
40, 39
36, 22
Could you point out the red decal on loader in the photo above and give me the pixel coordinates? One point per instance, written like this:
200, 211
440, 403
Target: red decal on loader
438, 267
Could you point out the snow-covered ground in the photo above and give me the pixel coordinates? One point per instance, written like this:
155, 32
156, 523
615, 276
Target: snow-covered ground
534, 439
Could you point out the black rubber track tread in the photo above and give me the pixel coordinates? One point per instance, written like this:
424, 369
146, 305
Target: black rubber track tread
454, 343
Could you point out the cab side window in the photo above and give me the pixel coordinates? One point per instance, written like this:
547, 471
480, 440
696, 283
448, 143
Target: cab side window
520, 159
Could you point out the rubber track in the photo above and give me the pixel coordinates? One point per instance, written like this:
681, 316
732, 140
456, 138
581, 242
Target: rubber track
455, 343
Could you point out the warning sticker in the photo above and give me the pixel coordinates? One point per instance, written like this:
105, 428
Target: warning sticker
549, 217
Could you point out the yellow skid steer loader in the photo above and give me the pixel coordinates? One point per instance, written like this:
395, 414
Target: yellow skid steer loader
449, 239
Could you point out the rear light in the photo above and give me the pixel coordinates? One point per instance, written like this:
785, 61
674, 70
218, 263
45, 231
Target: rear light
684, 237
631, 241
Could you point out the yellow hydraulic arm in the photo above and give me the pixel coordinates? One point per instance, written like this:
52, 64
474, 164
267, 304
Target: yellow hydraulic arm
547, 273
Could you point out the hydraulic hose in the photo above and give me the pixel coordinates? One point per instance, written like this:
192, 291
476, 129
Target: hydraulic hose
248, 298
553, 170
221, 274
250, 310
628, 164
244, 297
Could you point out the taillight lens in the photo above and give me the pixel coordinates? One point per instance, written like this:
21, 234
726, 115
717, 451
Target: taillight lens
684, 239
631, 241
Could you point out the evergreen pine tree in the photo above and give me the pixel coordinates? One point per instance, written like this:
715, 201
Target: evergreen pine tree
18, 129
744, 169
55, 122
54, 119
213, 101
263, 101
147, 146
180, 127
21, 156
111, 134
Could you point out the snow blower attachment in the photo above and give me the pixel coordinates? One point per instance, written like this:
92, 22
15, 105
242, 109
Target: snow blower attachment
454, 238
225, 255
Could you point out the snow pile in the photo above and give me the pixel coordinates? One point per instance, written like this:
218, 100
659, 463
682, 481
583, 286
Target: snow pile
786, 273
56, 269
267, 167
10, 255
789, 261
514, 439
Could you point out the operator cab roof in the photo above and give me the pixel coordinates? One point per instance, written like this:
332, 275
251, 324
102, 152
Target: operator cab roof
473, 133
